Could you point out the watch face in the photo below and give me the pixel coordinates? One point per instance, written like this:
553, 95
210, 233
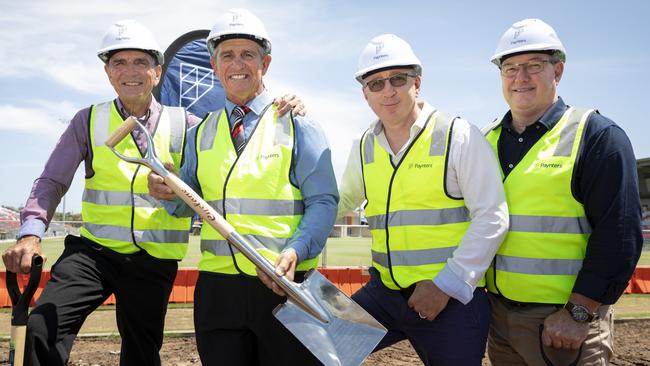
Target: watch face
580, 314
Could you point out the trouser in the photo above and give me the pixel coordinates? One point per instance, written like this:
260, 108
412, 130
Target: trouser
515, 336
83, 277
234, 324
456, 336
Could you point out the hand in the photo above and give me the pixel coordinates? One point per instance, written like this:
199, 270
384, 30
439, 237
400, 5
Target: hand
157, 187
561, 331
288, 102
18, 257
285, 265
428, 300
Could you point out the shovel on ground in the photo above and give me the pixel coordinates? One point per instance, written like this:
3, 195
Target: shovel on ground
19, 310
331, 325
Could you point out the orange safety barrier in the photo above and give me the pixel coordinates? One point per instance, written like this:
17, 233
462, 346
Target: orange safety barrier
348, 279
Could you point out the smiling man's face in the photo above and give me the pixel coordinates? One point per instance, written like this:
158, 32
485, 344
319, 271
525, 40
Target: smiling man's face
240, 65
133, 74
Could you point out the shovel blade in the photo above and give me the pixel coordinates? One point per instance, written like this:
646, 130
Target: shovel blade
349, 336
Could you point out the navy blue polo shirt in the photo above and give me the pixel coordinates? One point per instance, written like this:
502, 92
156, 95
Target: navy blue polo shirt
605, 182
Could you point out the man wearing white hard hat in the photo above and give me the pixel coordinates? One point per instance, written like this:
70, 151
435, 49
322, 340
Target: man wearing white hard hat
129, 246
575, 232
272, 179
435, 207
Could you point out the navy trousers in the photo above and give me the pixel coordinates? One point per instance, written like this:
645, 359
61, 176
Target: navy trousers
457, 336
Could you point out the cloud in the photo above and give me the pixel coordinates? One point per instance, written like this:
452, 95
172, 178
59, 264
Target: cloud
44, 118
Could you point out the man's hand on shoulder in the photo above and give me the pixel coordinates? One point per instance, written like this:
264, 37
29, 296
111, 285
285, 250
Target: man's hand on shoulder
288, 102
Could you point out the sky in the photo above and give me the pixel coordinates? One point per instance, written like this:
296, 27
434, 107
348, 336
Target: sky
50, 69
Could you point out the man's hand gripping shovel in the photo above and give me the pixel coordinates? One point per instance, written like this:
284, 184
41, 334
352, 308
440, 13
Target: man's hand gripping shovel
20, 310
331, 325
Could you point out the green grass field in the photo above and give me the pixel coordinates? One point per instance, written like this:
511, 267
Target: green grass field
349, 252
340, 252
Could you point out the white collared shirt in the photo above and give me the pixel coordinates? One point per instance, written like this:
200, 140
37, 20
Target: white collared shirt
473, 174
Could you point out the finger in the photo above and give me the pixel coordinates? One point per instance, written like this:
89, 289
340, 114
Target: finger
300, 110
278, 291
546, 339
26, 261
557, 342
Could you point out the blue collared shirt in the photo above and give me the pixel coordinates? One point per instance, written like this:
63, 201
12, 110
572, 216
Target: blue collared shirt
311, 171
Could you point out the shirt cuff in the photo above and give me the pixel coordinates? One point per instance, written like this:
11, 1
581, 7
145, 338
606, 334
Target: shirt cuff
32, 227
454, 286
599, 289
301, 250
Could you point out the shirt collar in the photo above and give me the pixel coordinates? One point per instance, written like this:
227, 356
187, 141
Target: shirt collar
256, 105
425, 111
549, 119
154, 106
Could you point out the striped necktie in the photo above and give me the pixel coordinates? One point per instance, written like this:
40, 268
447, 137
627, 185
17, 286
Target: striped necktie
237, 132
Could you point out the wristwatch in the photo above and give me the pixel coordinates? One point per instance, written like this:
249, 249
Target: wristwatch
579, 313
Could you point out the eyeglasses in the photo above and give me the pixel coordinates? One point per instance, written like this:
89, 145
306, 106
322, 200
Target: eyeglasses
396, 81
531, 67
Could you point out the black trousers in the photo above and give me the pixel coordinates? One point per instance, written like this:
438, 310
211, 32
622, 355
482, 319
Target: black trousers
234, 324
84, 276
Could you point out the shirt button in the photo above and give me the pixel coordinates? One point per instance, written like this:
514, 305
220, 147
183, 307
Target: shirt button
537, 127
521, 139
510, 166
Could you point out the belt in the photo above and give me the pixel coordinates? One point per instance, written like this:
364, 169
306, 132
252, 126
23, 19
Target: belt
518, 304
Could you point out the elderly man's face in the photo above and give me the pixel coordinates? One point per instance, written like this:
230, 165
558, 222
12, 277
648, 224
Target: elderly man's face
240, 65
133, 74
530, 95
394, 105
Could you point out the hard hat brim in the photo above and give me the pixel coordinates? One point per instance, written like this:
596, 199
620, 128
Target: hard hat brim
497, 58
214, 41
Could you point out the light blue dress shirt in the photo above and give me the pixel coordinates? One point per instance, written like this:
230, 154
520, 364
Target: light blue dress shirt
311, 171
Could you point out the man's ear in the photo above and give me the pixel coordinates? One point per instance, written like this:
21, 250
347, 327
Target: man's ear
559, 70
266, 61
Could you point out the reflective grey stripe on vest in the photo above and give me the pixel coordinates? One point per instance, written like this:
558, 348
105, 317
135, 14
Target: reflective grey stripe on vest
550, 224
102, 119
420, 217
414, 257
368, 147
538, 266
176, 116
210, 130
221, 247
568, 133
251, 206
124, 234
439, 134
283, 130
119, 198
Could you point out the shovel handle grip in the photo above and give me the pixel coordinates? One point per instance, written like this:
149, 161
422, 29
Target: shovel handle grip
120, 133
20, 301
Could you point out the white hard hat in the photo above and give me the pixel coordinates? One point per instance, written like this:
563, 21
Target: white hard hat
238, 23
386, 51
129, 34
528, 35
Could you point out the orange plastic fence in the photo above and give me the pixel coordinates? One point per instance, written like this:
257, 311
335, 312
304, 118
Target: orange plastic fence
348, 279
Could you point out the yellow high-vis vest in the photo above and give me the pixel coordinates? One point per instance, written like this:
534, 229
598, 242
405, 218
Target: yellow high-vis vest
252, 191
415, 224
543, 251
117, 210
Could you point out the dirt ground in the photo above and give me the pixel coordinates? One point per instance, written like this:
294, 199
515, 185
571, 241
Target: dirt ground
632, 339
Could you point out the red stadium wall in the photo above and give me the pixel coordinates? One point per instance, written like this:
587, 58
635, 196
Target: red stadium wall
348, 279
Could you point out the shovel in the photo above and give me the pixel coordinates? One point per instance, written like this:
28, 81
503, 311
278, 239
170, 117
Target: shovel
19, 310
331, 325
